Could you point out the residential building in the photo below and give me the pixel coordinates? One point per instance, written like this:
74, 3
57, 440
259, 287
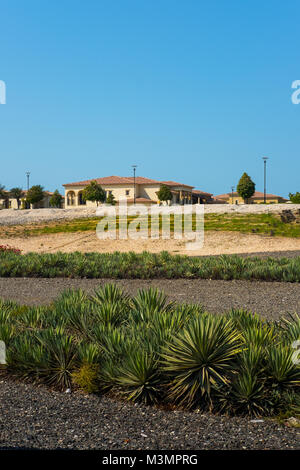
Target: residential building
257, 198
143, 190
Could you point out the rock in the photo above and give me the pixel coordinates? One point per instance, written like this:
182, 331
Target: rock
293, 422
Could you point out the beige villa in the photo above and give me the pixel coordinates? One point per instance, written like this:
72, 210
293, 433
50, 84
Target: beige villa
257, 198
145, 191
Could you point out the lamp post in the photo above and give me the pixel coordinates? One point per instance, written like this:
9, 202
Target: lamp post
27, 174
232, 189
265, 177
134, 192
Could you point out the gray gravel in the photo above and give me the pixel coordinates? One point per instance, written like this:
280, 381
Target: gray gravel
270, 299
36, 417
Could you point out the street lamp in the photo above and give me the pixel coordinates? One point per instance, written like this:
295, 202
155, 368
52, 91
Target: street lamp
265, 176
134, 192
27, 174
232, 189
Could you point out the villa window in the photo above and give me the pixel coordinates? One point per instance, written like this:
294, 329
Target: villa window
81, 200
127, 192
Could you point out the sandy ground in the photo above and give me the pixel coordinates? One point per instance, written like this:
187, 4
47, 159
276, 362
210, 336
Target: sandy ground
215, 243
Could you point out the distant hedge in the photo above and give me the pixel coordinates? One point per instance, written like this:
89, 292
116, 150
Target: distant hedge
147, 266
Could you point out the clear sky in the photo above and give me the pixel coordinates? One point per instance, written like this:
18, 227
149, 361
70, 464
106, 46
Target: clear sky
189, 90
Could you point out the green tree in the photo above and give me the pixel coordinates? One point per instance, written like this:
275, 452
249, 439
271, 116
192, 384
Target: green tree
35, 194
245, 187
111, 199
17, 193
164, 193
94, 192
4, 196
2, 192
295, 198
56, 198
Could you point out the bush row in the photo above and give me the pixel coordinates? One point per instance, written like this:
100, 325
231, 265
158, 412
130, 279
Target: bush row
147, 349
147, 265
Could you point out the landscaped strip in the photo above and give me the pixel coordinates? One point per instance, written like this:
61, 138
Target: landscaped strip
147, 266
147, 349
264, 224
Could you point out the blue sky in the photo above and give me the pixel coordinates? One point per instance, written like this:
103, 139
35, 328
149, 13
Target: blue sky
193, 91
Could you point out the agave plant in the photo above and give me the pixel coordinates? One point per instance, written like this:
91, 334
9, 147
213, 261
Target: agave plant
33, 317
62, 356
27, 358
114, 342
148, 302
7, 332
248, 395
243, 319
72, 309
153, 299
5, 315
110, 293
280, 368
88, 353
291, 328
110, 313
200, 357
252, 360
137, 378
165, 325
264, 335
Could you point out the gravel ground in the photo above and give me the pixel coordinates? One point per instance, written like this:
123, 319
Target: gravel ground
270, 299
15, 217
36, 417
271, 254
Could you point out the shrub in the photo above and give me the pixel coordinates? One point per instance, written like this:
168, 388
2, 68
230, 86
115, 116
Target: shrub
199, 358
137, 378
247, 395
9, 249
61, 357
295, 198
86, 377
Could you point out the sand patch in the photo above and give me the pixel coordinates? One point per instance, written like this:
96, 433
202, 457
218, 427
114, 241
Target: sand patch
215, 243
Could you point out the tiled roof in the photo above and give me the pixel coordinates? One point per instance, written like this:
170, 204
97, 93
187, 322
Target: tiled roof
115, 180
174, 183
107, 180
256, 195
197, 191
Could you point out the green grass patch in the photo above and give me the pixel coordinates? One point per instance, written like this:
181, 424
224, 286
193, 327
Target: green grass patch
264, 224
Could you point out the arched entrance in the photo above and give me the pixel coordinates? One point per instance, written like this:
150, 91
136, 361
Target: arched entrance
70, 198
